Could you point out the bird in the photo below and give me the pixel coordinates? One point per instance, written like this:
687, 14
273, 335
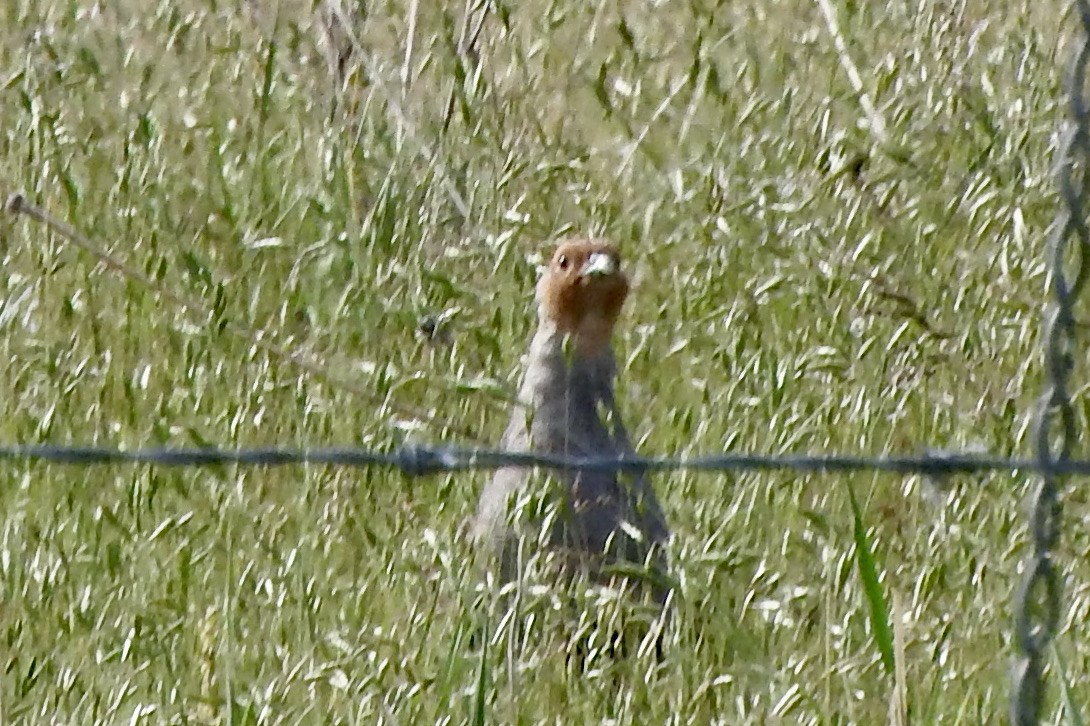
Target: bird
608, 525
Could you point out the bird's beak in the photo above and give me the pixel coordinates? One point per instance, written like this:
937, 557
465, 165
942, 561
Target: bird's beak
599, 263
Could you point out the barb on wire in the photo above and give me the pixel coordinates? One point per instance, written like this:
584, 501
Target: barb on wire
416, 460
1038, 607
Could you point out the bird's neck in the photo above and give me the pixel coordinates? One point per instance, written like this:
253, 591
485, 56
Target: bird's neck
566, 388
587, 349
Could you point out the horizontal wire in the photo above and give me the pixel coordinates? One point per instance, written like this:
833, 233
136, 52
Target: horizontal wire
425, 460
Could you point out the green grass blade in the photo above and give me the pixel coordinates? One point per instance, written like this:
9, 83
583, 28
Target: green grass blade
480, 696
868, 574
1072, 714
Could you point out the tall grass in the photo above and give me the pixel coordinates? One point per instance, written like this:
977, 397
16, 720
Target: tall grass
803, 284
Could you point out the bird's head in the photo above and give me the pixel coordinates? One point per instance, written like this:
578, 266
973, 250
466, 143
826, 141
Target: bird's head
582, 292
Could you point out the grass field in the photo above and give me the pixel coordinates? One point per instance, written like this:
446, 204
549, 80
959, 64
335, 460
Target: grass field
810, 277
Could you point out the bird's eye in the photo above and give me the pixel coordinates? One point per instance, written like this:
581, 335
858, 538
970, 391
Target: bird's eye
562, 261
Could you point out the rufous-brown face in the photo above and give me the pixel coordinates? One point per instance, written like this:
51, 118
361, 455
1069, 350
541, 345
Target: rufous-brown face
583, 290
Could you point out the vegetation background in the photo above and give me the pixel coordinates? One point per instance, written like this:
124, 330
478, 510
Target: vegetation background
810, 276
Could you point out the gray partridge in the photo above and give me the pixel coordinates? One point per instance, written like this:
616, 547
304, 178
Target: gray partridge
593, 520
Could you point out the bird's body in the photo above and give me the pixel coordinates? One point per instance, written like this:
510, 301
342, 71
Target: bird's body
592, 520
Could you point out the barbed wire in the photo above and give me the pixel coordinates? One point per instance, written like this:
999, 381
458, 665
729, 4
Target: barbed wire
419, 460
1038, 606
